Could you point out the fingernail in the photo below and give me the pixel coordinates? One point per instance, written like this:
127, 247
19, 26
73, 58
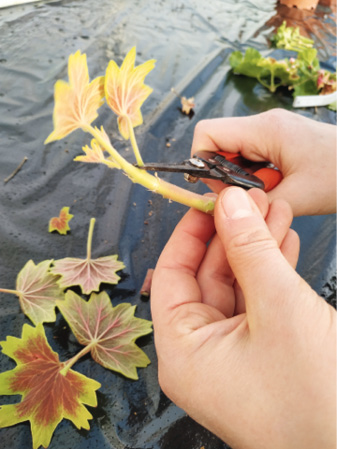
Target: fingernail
236, 204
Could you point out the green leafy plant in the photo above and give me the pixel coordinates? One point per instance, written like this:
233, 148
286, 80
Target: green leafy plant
290, 38
302, 75
123, 89
51, 390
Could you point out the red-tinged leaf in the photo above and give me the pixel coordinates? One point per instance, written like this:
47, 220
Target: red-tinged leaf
88, 273
61, 223
38, 291
109, 332
125, 90
48, 394
76, 102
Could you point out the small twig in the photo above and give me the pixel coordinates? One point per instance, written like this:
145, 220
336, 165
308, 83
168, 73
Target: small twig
18, 168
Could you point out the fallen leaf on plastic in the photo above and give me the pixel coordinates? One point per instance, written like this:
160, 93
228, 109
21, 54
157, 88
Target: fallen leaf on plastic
38, 291
88, 273
48, 396
61, 223
187, 104
109, 332
125, 90
76, 102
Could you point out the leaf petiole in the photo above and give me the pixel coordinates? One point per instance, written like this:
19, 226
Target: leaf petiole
134, 142
69, 363
13, 292
90, 234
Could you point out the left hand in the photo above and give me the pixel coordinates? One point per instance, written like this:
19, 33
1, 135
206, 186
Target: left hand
244, 345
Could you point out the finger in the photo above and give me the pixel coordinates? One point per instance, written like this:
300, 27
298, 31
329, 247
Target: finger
252, 252
174, 280
279, 219
215, 277
290, 247
255, 137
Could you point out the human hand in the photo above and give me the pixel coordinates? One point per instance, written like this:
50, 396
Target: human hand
303, 149
244, 345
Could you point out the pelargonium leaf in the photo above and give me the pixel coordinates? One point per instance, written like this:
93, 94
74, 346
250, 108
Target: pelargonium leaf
38, 291
125, 91
110, 332
76, 102
48, 396
61, 223
88, 273
95, 153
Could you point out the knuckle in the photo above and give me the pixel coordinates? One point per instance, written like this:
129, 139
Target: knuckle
250, 242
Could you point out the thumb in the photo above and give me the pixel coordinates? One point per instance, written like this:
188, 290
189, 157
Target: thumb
258, 264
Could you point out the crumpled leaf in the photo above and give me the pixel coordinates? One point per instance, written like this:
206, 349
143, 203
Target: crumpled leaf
187, 104
48, 396
60, 223
76, 102
125, 90
88, 273
109, 331
38, 291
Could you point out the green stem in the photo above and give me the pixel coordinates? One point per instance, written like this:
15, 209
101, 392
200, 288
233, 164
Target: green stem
90, 233
73, 360
153, 182
134, 142
13, 292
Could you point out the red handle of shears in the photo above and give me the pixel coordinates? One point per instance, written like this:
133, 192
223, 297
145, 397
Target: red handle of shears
270, 176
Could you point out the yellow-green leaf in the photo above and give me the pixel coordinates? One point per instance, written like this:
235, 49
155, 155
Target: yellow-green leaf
76, 102
125, 90
109, 331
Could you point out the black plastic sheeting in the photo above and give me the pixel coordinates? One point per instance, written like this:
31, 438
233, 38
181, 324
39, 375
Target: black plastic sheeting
191, 41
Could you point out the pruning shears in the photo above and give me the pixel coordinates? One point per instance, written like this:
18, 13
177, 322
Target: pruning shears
230, 168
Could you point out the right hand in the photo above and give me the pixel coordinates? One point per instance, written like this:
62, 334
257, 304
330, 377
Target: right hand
303, 149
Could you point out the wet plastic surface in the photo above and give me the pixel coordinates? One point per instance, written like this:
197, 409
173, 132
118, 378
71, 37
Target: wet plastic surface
191, 41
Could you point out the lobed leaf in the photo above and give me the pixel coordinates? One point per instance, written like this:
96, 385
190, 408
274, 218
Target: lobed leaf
109, 331
125, 90
87, 273
60, 223
76, 102
48, 396
38, 291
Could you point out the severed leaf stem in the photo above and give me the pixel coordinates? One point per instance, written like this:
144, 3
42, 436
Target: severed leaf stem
90, 234
13, 292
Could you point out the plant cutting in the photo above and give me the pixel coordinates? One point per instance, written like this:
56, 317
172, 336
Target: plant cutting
123, 89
